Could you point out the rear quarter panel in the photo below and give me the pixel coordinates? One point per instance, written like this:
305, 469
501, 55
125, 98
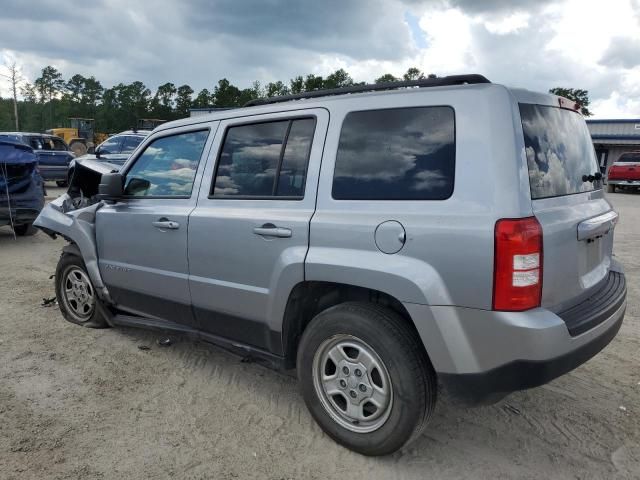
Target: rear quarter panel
448, 255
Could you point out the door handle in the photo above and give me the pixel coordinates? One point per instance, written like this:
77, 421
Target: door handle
166, 224
270, 230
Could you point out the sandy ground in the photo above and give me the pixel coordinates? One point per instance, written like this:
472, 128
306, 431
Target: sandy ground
82, 403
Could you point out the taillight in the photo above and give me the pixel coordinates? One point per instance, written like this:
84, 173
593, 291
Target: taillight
517, 271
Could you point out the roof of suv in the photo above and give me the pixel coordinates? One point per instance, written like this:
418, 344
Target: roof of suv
293, 102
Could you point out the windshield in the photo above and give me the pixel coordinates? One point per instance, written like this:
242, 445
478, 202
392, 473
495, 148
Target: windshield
559, 151
633, 157
47, 143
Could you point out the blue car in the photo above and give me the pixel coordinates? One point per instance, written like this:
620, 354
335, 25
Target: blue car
21, 187
53, 154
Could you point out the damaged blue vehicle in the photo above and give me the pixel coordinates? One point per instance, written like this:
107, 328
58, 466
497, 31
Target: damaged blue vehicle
21, 187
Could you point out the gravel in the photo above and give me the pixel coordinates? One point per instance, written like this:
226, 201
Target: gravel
82, 403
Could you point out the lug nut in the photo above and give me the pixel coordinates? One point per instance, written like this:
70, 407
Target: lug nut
358, 372
343, 384
363, 387
353, 394
345, 370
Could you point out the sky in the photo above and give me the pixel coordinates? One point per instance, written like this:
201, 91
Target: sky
535, 44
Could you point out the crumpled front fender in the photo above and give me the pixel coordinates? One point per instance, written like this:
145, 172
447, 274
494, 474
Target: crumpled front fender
77, 226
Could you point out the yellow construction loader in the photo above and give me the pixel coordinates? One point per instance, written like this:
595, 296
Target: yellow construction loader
80, 135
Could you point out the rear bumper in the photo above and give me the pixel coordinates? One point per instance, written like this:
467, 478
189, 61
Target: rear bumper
624, 183
481, 356
53, 173
19, 216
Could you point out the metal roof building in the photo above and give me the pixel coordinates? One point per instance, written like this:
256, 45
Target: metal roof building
612, 138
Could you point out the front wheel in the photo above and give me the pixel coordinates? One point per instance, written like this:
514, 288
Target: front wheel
76, 296
365, 377
611, 188
26, 229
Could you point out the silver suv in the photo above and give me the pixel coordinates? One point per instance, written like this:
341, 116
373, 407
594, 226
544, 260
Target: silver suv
382, 240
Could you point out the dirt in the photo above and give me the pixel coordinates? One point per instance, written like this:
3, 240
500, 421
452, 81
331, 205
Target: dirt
82, 403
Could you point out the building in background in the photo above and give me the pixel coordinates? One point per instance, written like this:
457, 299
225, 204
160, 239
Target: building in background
612, 138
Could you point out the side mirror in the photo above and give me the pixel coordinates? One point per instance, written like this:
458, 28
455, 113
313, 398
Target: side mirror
96, 151
110, 187
138, 186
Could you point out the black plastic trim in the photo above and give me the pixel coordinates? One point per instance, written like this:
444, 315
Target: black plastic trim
598, 307
489, 387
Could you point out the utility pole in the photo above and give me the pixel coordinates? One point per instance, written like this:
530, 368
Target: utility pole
14, 78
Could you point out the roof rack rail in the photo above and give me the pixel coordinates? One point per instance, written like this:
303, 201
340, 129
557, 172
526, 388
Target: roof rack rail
426, 82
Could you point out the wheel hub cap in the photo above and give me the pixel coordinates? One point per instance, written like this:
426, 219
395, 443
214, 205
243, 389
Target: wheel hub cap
352, 383
77, 294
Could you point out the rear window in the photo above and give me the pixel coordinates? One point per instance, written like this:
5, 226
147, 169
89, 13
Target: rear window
629, 157
559, 151
396, 154
47, 143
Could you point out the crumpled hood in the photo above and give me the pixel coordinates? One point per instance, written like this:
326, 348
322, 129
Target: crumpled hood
16, 153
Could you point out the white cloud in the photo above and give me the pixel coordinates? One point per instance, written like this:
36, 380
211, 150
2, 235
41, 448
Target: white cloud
527, 43
509, 24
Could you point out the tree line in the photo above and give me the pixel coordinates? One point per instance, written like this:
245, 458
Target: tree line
50, 100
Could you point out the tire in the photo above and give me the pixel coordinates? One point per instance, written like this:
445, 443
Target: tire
611, 188
25, 230
76, 296
380, 342
78, 147
62, 183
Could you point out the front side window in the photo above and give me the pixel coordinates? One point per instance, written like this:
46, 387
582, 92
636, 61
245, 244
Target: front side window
111, 145
167, 167
130, 142
396, 154
265, 159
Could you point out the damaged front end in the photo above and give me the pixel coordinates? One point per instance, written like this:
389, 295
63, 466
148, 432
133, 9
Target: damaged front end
73, 214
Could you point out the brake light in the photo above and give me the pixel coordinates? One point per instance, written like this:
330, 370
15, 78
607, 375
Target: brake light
517, 271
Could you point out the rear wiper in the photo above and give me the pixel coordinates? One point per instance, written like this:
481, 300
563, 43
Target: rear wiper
592, 178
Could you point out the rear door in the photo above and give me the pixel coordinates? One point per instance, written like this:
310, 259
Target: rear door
249, 235
577, 221
53, 157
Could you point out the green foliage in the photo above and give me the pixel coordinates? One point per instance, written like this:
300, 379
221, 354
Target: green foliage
50, 100
386, 78
577, 95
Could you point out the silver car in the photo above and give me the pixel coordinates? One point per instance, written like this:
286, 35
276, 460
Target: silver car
380, 239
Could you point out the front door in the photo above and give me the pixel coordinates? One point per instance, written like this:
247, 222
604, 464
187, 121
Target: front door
142, 238
249, 235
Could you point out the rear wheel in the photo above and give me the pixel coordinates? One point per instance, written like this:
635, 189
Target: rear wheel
76, 296
366, 378
26, 229
611, 188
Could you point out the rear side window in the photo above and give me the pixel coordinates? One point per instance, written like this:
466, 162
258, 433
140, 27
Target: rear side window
265, 160
559, 151
396, 154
